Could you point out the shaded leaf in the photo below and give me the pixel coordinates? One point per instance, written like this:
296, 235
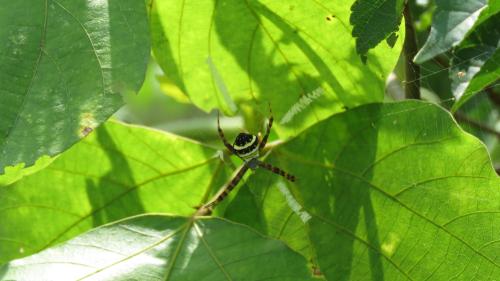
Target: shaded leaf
484, 71
451, 22
248, 53
394, 191
478, 49
160, 247
266, 203
63, 68
374, 21
480, 109
116, 172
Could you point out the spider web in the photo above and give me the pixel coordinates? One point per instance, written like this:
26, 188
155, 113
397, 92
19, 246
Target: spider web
479, 116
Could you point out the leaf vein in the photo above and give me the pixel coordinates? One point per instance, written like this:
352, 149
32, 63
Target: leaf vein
34, 74
87, 34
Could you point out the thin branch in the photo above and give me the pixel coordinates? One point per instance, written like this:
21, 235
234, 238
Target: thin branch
412, 70
494, 97
462, 118
441, 61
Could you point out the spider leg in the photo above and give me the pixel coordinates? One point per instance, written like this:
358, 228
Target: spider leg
229, 186
277, 170
268, 131
223, 138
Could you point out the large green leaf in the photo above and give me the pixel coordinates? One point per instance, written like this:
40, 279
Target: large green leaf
384, 192
115, 172
159, 247
248, 53
451, 22
378, 196
63, 67
374, 21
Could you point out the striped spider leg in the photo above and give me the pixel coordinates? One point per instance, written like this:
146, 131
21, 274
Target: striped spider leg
247, 147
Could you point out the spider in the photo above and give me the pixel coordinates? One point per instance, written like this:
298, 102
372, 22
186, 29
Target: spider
247, 147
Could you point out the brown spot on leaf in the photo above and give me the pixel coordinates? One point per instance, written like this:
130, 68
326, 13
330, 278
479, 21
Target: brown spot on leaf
316, 271
87, 124
330, 17
86, 131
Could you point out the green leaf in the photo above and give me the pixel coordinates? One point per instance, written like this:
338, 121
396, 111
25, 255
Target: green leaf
160, 247
248, 53
13, 174
393, 191
115, 172
491, 10
484, 70
266, 204
451, 22
374, 21
478, 50
63, 67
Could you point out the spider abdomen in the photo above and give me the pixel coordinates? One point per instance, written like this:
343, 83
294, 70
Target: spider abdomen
246, 146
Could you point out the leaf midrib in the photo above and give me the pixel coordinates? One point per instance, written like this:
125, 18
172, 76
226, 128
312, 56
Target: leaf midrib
163, 239
34, 74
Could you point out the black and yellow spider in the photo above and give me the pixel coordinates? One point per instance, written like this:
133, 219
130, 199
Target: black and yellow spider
247, 147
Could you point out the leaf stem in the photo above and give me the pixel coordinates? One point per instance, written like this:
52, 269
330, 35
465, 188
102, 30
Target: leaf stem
412, 70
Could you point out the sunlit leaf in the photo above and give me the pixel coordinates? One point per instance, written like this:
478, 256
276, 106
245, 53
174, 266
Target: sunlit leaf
298, 55
63, 68
115, 172
159, 247
15, 173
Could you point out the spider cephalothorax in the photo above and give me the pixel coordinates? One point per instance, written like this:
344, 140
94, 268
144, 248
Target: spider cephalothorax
247, 147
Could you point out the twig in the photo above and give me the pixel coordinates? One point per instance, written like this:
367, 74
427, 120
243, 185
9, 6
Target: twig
439, 60
494, 97
465, 119
412, 70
